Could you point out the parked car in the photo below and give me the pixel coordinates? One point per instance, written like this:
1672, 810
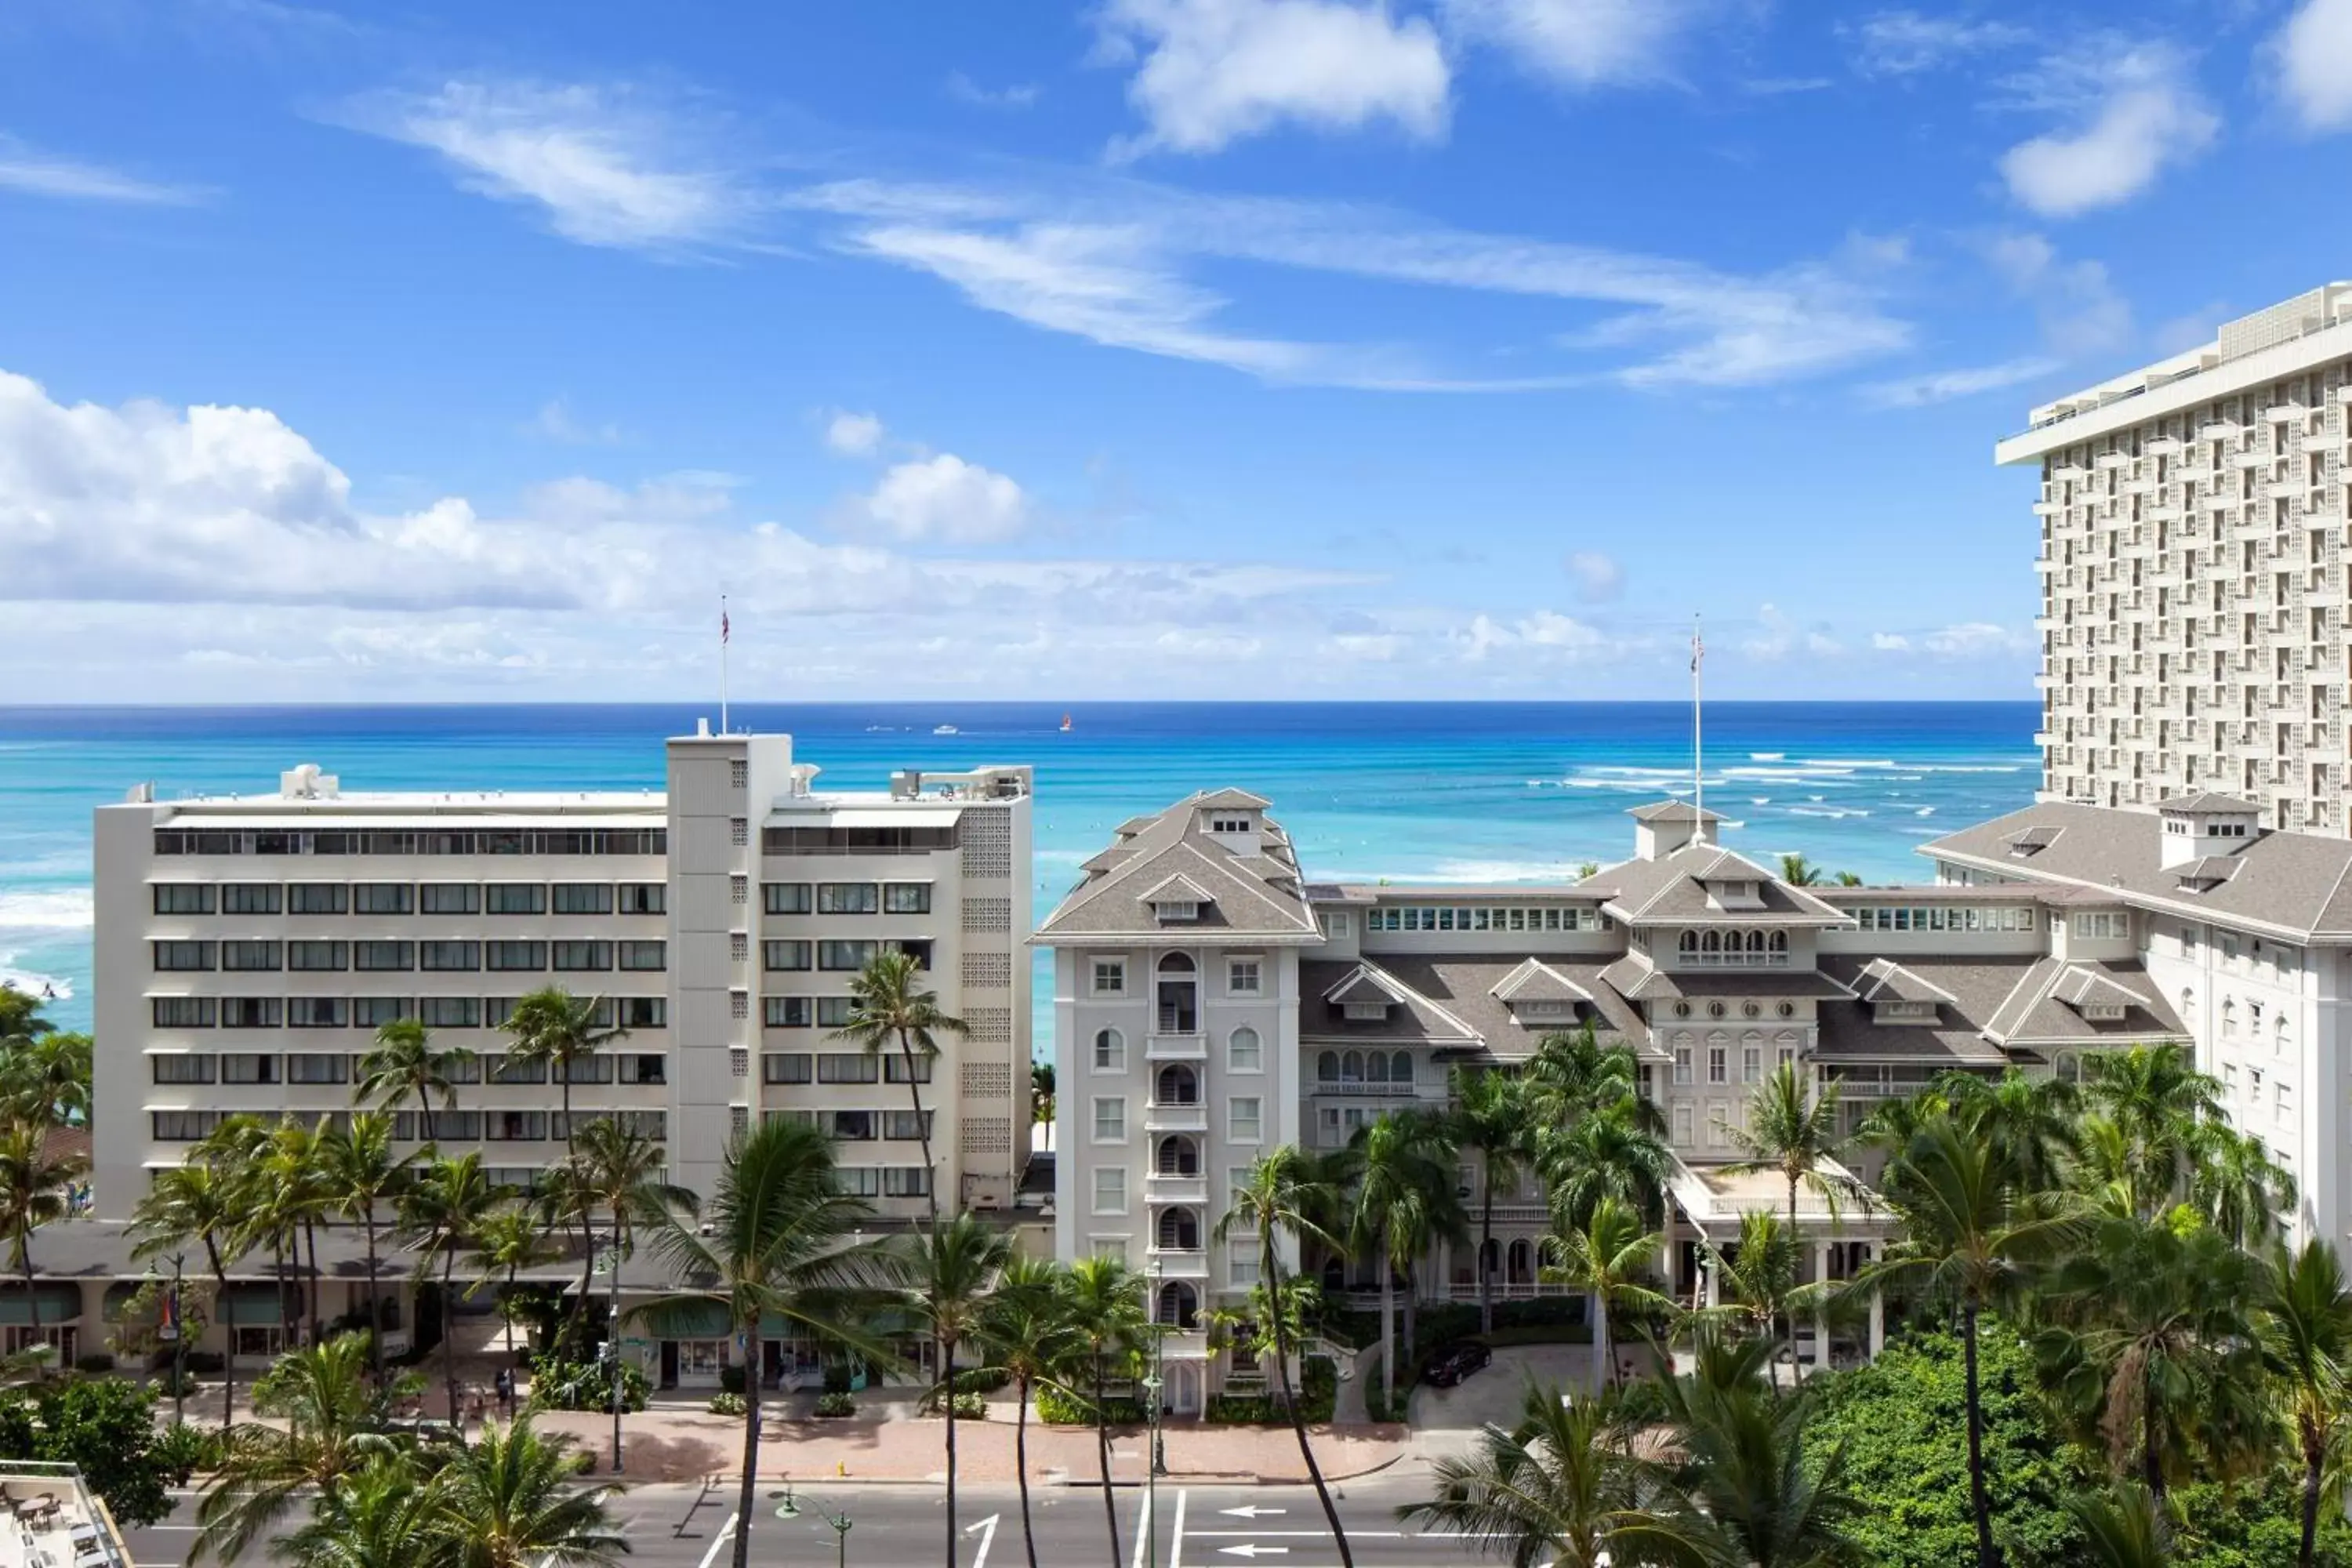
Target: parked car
1455, 1363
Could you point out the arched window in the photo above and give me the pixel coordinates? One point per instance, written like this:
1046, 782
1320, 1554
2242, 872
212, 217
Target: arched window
1179, 1156
1177, 1086
2229, 1018
1521, 1266
2282, 1036
1176, 963
1755, 942
1351, 1068
1244, 1051
1400, 1068
1179, 1306
1110, 1051
1376, 1068
1327, 1068
1687, 943
2189, 1007
1781, 943
1180, 1230
1711, 943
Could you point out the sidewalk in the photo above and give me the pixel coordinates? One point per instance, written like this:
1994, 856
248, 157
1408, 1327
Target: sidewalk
674, 1445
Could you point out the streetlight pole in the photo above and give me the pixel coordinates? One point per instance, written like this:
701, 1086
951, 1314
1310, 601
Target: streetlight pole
612, 1338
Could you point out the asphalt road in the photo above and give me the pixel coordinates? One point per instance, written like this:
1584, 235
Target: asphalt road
905, 1527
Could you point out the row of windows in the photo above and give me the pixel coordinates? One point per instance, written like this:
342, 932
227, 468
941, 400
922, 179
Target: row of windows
1546, 917
583, 955
1243, 976
1959, 918
840, 1067
411, 898
342, 1066
1718, 1061
374, 1011
1245, 1051
1245, 1119
855, 840
455, 1126
802, 1012
786, 956
845, 897
487, 841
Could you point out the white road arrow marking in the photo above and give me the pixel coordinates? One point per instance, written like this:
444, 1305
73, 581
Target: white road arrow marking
1251, 1511
987, 1527
1246, 1549
720, 1539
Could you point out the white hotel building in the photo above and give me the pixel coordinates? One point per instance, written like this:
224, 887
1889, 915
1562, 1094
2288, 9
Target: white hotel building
248, 946
2185, 874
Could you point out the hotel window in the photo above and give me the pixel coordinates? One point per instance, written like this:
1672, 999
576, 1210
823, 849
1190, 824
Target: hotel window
1242, 1265
1242, 976
1336, 924
785, 1012
382, 899
1110, 1189
905, 1180
375, 1012
836, 1012
318, 1067
251, 1011
180, 956
1718, 1068
903, 1127
1684, 1119
1245, 1119
184, 1069
249, 1066
384, 955
907, 898
1111, 1117
845, 955
1110, 1051
515, 898
858, 1181
582, 898
450, 1012
643, 1066
784, 956
448, 899
1751, 1064
580, 955
852, 1126
1244, 1052
319, 955
522, 955
646, 898
316, 898
1110, 978
895, 1070
448, 955
1718, 1127
250, 898
846, 898
845, 1067
1682, 1064
646, 955
2285, 1100
249, 955
2107, 924
183, 1012
181, 1126
785, 897
183, 898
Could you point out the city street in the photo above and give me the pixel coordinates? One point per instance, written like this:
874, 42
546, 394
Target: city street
900, 1527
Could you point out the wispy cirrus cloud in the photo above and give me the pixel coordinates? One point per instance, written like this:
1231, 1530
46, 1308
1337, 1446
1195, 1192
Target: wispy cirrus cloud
1580, 43
1944, 385
2127, 113
1907, 43
28, 171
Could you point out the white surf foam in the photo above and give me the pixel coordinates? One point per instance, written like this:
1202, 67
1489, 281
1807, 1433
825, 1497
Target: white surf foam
45, 908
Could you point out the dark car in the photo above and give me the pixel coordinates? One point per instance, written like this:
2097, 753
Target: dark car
1452, 1365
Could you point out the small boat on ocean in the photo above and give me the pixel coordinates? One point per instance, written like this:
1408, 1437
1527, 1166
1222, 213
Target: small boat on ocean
1065, 724
945, 730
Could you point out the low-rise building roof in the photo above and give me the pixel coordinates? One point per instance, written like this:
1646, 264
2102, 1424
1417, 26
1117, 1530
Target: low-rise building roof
1173, 857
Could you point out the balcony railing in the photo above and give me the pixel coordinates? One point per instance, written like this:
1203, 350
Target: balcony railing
1176, 1047
1175, 1189
1742, 960
1181, 1116
1176, 1262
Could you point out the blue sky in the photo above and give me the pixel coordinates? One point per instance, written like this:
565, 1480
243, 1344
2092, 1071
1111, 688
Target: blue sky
1146, 348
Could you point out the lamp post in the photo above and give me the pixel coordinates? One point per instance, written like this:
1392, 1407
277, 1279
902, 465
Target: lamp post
612, 1335
175, 1330
839, 1523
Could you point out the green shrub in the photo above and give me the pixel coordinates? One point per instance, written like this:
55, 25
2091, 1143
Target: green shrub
106, 1426
1058, 1408
183, 1450
981, 1379
837, 1377
726, 1402
731, 1379
970, 1407
831, 1405
560, 1384
1318, 1394
175, 1384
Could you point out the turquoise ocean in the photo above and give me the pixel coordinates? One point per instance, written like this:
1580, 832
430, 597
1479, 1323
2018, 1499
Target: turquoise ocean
1418, 792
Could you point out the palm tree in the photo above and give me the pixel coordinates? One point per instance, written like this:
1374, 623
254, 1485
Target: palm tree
1740, 1459
1793, 1132
33, 1184
2035, 1124
1611, 1149
1041, 1093
509, 1241
1404, 1197
888, 1007
2236, 1184
2124, 1528
2157, 1099
1104, 1301
512, 1500
47, 1076
1490, 1114
554, 1029
1759, 1280
1972, 1235
440, 1216
383, 1517
1284, 1194
199, 1203
951, 1270
1800, 872
1848, 880
1609, 1256
618, 1172
405, 1063
776, 1240
1025, 1324
2305, 1321
359, 1170
294, 1170
326, 1422
1563, 1487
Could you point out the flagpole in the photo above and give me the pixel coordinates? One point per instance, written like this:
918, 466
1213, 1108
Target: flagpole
723, 664
1698, 762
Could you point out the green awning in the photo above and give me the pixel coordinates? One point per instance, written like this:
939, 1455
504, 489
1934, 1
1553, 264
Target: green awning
58, 1303
684, 1320
253, 1305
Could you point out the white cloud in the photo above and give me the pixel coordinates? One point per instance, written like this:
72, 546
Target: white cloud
35, 173
1565, 635
853, 434
1903, 43
2080, 310
608, 167
556, 422
963, 89
1213, 72
1778, 638
1890, 642
1973, 640
1577, 42
2312, 56
1943, 385
943, 497
2131, 115
1597, 576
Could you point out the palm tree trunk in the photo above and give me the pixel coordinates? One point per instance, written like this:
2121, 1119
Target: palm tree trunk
1794, 1366
1485, 1245
1021, 1472
2314, 1459
1388, 1323
448, 1335
2151, 1458
947, 1380
32, 1293
228, 1340
1290, 1401
1602, 1372
1102, 1456
375, 1295
922, 1128
747, 1495
310, 1241
1411, 1320
1980, 1502
286, 1310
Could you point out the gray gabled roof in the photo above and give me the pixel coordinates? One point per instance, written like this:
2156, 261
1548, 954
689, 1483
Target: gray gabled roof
1638, 980
2043, 1009
1671, 891
1673, 811
1536, 980
1249, 897
1884, 980
1449, 1002
1973, 987
2296, 885
2209, 800
1230, 799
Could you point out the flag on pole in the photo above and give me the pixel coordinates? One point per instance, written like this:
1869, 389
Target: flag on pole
1698, 650
722, 625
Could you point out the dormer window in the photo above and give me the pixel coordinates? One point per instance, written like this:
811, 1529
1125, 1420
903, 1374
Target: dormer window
1176, 910
1365, 1012
2103, 1012
1232, 825
1178, 898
